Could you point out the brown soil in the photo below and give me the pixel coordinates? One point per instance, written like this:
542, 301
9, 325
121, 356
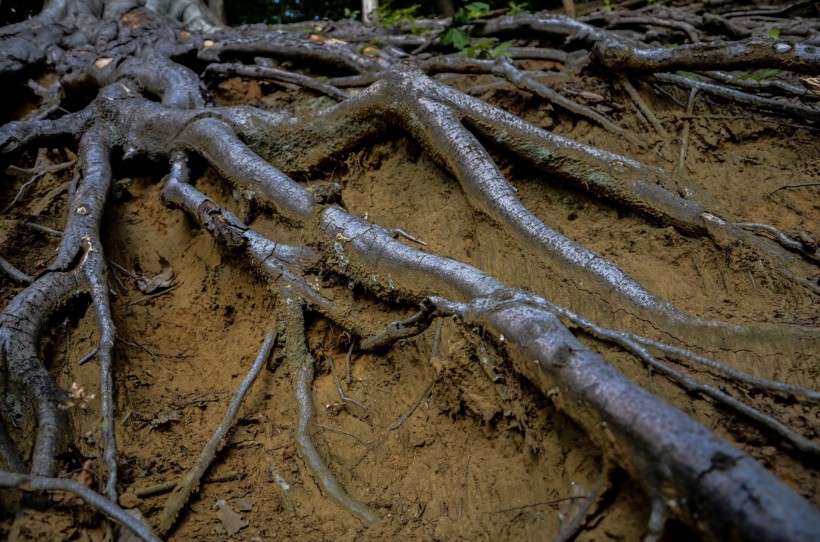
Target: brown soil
483, 456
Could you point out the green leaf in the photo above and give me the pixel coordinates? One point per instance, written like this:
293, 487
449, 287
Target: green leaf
774, 33
476, 10
515, 9
501, 49
460, 18
760, 76
456, 37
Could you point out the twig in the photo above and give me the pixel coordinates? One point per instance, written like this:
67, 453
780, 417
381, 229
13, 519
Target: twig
165, 487
26, 482
779, 106
38, 174
302, 363
570, 530
339, 431
401, 329
759, 383
86, 358
15, 273
151, 296
781, 238
650, 116
190, 482
684, 144
397, 232
44, 229
407, 413
626, 341
46, 200
359, 407
275, 74
801, 185
541, 503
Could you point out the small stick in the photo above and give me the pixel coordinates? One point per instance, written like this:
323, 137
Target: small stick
345, 399
397, 232
151, 296
190, 482
165, 487
784, 187
690, 105
38, 175
571, 529
15, 273
650, 116
86, 358
44, 229
401, 329
413, 407
781, 238
26, 482
339, 431
542, 503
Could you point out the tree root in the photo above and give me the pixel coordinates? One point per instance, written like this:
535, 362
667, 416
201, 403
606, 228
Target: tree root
190, 482
302, 370
152, 108
27, 482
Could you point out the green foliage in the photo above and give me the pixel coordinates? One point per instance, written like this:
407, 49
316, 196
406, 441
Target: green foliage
607, 7
474, 10
389, 16
477, 10
515, 9
760, 76
487, 48
456, 38
774, 33
352, 15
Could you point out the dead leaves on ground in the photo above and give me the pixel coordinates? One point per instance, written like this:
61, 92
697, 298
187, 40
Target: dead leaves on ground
165, 278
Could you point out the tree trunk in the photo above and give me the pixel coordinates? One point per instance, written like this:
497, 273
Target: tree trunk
368, 7
217, 7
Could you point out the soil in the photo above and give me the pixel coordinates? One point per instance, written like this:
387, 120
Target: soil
482, 456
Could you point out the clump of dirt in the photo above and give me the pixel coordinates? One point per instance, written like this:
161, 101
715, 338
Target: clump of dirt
450, 444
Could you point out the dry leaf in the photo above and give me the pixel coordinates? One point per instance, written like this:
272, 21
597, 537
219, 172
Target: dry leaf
86, 474
164, 418
158, 282
812, 83
232, 521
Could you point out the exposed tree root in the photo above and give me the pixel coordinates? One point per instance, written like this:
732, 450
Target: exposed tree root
152, 107
190, 482
38, 483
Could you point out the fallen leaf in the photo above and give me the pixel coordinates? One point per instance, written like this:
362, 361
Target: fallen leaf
162, 280
164, 418
232, 521
86, 474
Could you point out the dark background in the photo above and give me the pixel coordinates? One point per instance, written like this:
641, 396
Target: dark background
286, 11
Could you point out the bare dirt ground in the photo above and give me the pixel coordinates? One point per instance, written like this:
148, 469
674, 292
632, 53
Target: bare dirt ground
452, 448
